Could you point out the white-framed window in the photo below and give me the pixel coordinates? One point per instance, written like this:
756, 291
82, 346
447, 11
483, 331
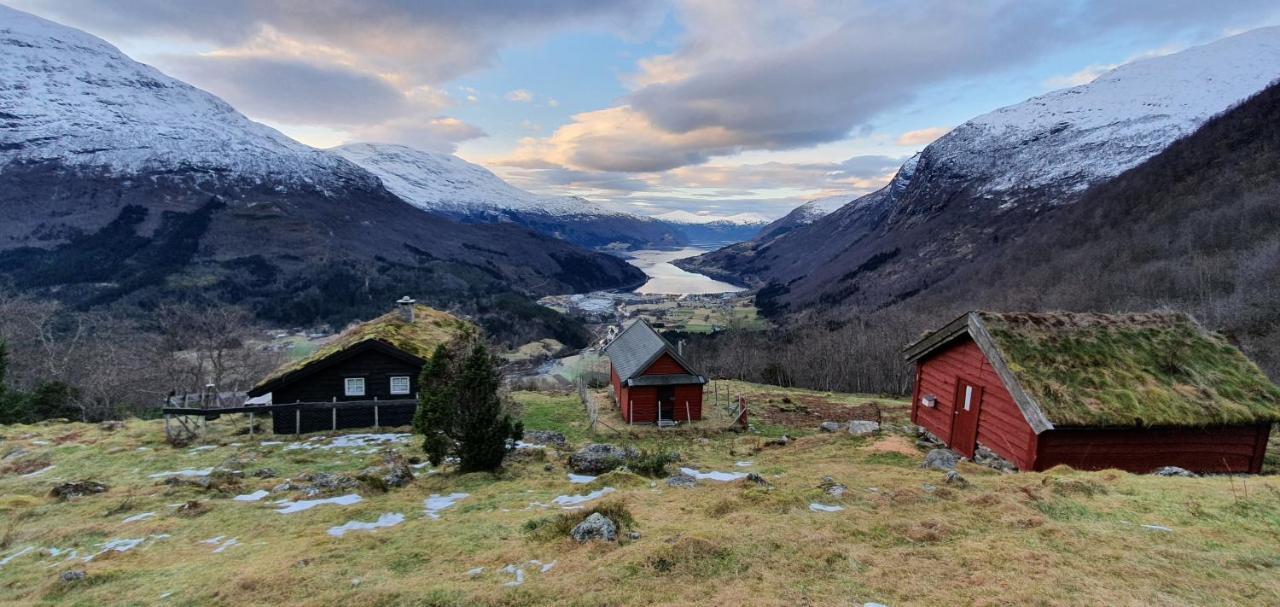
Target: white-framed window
354, 386
400, 384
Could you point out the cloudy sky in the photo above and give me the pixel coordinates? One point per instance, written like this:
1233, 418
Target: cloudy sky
717, 106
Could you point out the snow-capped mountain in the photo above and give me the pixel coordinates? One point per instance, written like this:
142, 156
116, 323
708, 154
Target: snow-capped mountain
686, 217
818, 208
120, 185
446, 184
985, 182
68, 96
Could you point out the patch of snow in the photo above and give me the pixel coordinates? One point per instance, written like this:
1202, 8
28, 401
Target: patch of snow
123, 545
6, 560
547, 567
816, 507
187, 472
41, 442
566, 501
226, 544
270, 443
580, 479
744, 464
348, 441
436, 502
523, 445
1158, 528
289, 507
201, 448
252, 497
475, 572
38, 472
518, 572
389, 519
714, 476
139, 517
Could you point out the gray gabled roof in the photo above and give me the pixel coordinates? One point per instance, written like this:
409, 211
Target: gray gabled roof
637, 347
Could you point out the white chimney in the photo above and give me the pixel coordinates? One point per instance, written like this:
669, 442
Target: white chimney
405, 306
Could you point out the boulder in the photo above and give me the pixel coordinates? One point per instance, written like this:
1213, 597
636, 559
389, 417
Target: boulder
940, 459
682, 481
394, 471
547, 437
68, 577
860, 427
757, 479
264, 473
67, 491
990, 459
832, 488
953, 478
598, 458
595, 527
829, 427
1174, 471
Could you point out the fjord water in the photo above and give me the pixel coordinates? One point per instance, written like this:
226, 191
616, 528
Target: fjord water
666, 279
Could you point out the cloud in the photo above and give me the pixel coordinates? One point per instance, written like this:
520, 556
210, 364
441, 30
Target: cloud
922, 137
519, 96
759, 75
440, 134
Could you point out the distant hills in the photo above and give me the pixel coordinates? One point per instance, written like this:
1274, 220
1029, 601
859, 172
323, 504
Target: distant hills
122, 186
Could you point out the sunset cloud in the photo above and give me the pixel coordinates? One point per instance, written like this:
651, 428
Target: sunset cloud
921, 137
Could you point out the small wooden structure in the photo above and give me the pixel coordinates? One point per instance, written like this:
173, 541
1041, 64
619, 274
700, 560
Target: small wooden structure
1092, 391
365, 377
651, 380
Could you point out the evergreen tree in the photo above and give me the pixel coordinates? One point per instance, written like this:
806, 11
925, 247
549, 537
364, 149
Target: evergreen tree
461, 408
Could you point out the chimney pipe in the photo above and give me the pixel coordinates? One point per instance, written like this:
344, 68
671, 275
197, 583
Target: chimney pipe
680, 347
405, 306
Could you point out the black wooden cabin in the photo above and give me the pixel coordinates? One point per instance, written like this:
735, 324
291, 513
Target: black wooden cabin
366, 377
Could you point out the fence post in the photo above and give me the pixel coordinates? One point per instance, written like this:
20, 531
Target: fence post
297, 421
335, 417
251, 423
375, 418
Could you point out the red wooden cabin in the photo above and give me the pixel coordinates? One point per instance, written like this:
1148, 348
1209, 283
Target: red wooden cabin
1092, 391
651, 380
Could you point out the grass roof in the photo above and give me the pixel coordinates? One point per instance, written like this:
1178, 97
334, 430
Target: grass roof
1159, 369
430, 328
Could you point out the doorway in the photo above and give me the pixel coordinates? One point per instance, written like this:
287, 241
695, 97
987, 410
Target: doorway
964, 421
666, 403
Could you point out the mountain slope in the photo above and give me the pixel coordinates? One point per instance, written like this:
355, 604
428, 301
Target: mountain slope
121, 184
452, 186
984, 182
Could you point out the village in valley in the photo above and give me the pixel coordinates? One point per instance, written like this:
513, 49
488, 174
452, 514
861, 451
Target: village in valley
613, 304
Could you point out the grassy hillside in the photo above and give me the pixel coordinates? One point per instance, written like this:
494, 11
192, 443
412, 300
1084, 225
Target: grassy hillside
904, 537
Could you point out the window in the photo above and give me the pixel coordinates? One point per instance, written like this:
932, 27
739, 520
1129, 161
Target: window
400, 384
354, 386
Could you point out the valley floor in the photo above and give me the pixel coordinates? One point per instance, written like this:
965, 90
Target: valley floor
903, 537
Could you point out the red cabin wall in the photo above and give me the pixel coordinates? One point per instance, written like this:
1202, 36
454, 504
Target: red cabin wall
644, 404
1001, 426
665, 365
692, 396
1235, 449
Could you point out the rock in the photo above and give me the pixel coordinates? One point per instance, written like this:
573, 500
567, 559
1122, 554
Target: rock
635, 535
927, 488
598, 458
860, 427
832, 488
596, 527
68, 577
940, 459
547, 437
264, 473
682, 481
954, 478
757, 479
829, 427
548, 467
394, 471
988, 458
318, 484
67, 491
111, 425
1174, 471
781, 441
924, 444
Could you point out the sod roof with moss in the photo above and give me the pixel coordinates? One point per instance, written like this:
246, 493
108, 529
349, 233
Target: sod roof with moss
430, 327
1158, 369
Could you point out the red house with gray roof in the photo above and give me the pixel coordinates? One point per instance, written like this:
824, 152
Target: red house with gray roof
652, 382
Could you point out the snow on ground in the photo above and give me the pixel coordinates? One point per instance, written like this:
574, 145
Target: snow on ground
289, 507
187, 472
350, 441
714, 476
744, 464
251, 497
436, 502
389, 519
567, 501
816, 507
139, 517
580, 479
38, 472
123, 545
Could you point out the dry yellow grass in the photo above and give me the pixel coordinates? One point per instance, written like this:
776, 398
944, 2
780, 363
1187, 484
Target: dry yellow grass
903, 538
